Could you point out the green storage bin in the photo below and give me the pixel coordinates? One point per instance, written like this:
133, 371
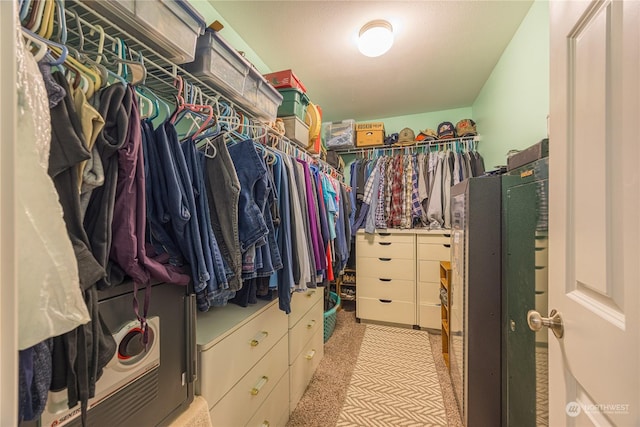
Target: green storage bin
294, 103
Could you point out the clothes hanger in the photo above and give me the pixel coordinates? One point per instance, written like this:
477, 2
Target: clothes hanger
46, 20
35, 16
24, 9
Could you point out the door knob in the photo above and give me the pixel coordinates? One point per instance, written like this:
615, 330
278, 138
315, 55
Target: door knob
554, 322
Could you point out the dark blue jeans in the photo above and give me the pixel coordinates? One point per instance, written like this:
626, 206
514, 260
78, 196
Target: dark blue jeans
251, 172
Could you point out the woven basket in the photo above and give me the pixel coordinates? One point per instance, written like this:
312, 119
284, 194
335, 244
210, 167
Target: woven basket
330, 316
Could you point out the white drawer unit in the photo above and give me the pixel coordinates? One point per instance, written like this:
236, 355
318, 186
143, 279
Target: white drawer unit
242, 360
403, 290
386, 269
238, 406
399, 276
306, 341
387, 310
274, 411
432, 249
301, 302
303, 367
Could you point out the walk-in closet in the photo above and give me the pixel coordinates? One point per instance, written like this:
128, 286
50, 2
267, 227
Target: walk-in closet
319, 213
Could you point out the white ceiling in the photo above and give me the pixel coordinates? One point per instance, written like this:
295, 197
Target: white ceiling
443, 53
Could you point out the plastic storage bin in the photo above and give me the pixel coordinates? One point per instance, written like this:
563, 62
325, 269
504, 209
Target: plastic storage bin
285, 79
338, 135
294, 103
219, 64
169, 27
296, 130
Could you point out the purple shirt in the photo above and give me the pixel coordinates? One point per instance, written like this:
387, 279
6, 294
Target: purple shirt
128, 226
316, 243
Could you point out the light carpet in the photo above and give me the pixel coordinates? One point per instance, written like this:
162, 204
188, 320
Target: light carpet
394, 382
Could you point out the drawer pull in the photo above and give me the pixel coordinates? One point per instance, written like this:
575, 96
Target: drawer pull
447, 235
311, 324
256, 389
258, 338
384, 243
384, 234
446, 245
311, 293
385, 301
265, 423
310, 354
384, 280
384, 259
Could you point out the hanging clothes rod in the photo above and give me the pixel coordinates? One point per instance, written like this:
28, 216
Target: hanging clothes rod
441, 143
84, 26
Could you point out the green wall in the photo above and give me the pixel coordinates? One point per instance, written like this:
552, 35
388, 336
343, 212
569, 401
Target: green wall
512, 107
210, 14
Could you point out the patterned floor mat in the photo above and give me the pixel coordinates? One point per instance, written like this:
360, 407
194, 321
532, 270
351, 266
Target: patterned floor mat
395, 382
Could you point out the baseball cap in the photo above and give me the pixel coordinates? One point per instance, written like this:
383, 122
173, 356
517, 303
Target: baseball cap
466, 127
446, 130
406, 137
427, 135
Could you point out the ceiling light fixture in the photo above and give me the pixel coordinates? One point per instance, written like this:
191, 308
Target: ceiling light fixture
375, 38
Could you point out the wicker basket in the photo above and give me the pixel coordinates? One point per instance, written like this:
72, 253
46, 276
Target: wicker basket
330, 316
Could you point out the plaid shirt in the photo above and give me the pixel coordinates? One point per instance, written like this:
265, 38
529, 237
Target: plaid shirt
380, 206
388, 191
406, 201
416, 206
395, 219
368, 188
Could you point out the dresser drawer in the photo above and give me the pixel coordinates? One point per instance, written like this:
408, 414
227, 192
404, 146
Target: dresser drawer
390, 268
238, 406
301, 302
444, 238
430, 316
302, 332
384, 237
436, 252
404, 250
274, 412
429, 271
429, 292
386, 311
222, 365
401, 290
304, 366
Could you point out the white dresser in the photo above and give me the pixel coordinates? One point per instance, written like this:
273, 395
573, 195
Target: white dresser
243, 368
431, 248
306, 340
398, 276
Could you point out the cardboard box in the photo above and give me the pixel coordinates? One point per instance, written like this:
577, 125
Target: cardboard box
369, 134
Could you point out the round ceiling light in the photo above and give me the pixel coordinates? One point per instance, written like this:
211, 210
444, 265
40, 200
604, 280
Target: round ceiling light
375, 38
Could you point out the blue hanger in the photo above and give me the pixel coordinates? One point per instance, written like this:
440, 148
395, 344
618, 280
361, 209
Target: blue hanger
24, 9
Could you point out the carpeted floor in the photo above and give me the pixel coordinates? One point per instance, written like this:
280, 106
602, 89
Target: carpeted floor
325, 396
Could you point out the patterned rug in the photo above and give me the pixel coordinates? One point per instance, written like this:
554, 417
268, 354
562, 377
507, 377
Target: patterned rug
394, 382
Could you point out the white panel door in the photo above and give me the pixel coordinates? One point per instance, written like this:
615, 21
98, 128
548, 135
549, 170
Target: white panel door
594, 207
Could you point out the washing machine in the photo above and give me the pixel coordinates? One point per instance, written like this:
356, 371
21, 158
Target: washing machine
142, 385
